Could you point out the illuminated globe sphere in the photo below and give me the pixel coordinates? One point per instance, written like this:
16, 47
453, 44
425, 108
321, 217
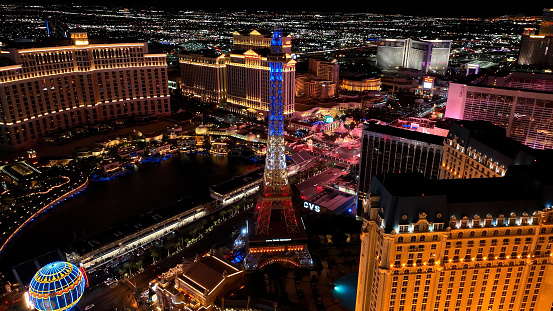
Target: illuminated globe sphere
57, 286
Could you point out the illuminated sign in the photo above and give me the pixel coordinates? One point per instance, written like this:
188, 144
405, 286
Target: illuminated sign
278, 240
427, 82
311, 206
329, 119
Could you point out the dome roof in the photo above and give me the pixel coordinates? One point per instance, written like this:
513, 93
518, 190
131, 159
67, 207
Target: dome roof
57, 286
177, 299
251, 137
201, 130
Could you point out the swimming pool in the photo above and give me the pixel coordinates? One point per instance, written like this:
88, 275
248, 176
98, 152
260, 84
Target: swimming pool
345, 289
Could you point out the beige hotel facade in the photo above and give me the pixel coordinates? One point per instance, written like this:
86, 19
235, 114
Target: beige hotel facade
74, 83
238, 81
457, 244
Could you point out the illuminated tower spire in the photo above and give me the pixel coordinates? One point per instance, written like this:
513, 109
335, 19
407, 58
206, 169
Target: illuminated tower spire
277, 237
276, 189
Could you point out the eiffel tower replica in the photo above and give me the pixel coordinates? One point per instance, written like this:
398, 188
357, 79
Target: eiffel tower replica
278, 236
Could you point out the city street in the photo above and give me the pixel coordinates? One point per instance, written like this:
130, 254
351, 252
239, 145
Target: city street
104, 297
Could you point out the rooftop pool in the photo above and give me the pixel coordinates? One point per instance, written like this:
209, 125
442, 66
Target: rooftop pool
345, 289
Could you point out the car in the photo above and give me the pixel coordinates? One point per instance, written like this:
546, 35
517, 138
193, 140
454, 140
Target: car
89, 307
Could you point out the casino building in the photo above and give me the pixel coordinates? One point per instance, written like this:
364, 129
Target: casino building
480, 149
458, 244
239, 80
424, 55
199, 285
519, 102
70, 83
387, 149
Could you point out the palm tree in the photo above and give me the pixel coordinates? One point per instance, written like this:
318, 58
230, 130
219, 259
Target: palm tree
137, 263
168, 247
202, 224
154, 252
128, 265
178, 244
194, 229
236, 209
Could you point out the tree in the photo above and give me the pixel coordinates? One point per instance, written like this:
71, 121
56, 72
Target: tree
168, 247
138, 262
128, 265
236, 209
202, 224
178, 244
154, 252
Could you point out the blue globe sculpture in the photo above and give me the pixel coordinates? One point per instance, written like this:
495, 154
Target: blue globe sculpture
57, 286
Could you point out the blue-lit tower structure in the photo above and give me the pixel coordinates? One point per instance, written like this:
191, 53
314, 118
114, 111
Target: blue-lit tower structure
278, 236
57, 286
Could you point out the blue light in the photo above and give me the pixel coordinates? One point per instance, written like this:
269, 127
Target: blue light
57, 286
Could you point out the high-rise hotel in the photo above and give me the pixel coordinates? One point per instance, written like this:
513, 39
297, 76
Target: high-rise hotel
74, 83
388, 149
458, 244
239, 80
480, 149
519, 102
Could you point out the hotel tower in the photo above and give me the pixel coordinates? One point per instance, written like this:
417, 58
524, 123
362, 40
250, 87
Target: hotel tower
458, 244
77, 82
239, 80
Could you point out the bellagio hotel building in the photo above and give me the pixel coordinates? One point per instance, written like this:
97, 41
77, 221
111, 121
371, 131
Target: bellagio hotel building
458, 244
74, 83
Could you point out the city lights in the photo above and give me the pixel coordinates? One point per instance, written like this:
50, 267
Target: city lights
174, 158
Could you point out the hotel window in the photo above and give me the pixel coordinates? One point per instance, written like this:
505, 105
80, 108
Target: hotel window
453, 223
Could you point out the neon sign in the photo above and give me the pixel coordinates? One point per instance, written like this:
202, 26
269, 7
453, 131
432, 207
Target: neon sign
311, 206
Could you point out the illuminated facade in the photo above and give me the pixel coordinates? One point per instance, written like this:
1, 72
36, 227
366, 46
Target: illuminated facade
534, 51
322, 80
239, 80
312, 87
56, 286
387, 149
481, 244
427, 56
371, 84
479, 149
514, 102
203, 77
259, 39
325, 70
278, 236
248, 75
49, 89
196, 286
546, 25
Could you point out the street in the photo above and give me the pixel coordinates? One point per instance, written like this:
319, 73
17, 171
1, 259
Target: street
104, 297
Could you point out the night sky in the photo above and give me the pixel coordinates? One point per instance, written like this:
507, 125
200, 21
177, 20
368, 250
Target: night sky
442, 8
